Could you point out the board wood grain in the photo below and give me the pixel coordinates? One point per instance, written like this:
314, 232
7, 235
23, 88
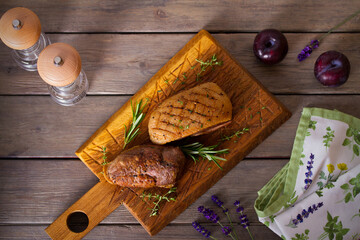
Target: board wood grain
44, 188
51, 136
190, 16
122, 63
253, 108
134, 232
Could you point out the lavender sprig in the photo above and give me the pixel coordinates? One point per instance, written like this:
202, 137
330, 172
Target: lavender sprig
212, 216
202, 230
217, 201
306, 52
243, 218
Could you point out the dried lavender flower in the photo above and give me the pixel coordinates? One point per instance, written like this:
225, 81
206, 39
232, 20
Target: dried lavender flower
202, 230
209, 214
226, 230
316, 42
243, 218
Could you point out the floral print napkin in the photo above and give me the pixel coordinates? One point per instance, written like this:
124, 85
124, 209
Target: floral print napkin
316, 195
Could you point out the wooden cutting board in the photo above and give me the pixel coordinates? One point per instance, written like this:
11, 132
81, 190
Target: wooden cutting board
253, 108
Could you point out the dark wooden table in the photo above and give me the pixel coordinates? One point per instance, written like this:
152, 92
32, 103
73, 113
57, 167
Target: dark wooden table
122, 44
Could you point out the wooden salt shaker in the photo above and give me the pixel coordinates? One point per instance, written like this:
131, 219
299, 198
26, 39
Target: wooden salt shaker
59, 65
20, 29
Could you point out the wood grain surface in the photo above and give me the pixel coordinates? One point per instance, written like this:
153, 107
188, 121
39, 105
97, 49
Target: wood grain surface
122, 64
122, 45
189, 16
44, 189
133, 232
51, 136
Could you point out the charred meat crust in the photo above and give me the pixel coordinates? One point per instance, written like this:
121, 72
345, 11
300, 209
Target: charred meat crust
146, 166
196, 111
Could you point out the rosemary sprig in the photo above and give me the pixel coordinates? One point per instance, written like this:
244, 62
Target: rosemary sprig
158, 198
203, 65
197, 150
134, 129
104, 157
238, 133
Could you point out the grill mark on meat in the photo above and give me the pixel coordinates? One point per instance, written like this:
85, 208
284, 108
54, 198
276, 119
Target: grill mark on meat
204, 106
203, 95
197, 102
184, 117
171, 106
161, 129
210, 90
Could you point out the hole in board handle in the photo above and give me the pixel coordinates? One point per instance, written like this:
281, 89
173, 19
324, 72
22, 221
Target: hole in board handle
77, 222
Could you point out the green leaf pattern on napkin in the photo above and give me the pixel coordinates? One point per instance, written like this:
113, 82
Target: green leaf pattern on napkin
328, 137
352, 189
326, 160
302, 236
312, 125
353, 141
334, 229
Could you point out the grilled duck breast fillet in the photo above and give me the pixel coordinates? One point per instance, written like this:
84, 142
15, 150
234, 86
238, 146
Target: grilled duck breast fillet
196, 111
146, 166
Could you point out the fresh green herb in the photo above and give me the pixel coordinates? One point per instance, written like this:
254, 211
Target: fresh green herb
207, 95
235, 134
187, 127
157, 199
261, 119
184, 76
201, 125
258, 112
249, 108
264, 107
251, 116
193, 67
182, 83
203, 65
166, 81
209, 168
181, 102
181, 127
177, 79
180, 120
159, 91
104, 157
190, 111
197, 150
134, 129
171, 115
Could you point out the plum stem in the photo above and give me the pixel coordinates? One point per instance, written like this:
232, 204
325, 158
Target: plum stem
340, 24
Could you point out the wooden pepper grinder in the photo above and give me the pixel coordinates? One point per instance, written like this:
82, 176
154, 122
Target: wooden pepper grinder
20, 29
59, 65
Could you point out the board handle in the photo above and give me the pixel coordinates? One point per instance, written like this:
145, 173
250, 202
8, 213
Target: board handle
90, 209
